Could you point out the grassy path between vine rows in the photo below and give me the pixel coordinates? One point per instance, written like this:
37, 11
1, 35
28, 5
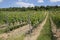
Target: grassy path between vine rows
36, 31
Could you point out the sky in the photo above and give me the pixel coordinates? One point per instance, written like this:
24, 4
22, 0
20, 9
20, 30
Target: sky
28, 3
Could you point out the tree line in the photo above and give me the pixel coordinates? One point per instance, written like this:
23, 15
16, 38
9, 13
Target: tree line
36, 8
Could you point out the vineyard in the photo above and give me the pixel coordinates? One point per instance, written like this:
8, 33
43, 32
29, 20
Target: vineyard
13, 20
29, 25
56, 17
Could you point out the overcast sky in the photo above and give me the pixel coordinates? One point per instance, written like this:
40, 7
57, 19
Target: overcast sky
28, 3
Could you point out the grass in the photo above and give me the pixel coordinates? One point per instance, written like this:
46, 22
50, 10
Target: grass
19, 37
46, 33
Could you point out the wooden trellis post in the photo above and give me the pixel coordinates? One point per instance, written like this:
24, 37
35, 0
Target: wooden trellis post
29, 22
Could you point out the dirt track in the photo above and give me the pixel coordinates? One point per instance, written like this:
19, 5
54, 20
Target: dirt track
56, 32
13, 33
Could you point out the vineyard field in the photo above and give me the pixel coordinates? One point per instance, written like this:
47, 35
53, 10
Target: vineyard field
30, 25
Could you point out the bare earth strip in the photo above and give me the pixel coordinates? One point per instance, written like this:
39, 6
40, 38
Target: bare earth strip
36, 31
56, 32
13, 33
